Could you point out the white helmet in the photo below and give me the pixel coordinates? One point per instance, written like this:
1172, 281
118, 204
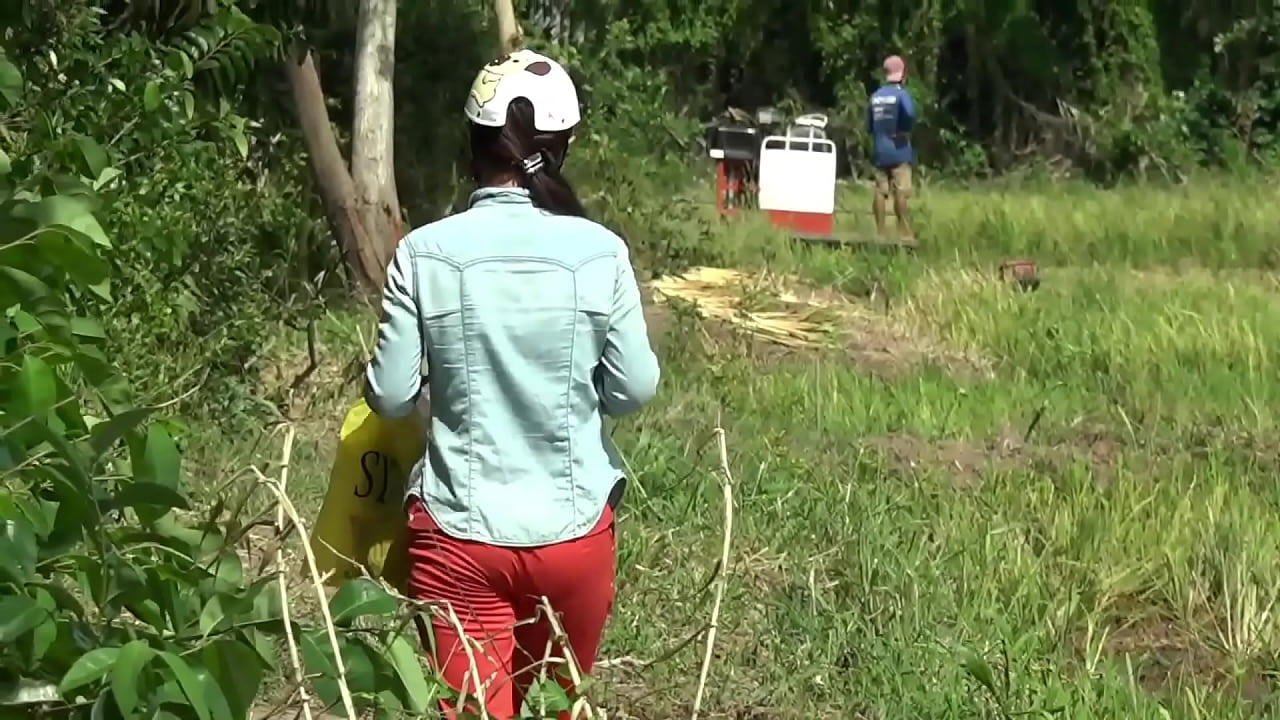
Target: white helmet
530, 75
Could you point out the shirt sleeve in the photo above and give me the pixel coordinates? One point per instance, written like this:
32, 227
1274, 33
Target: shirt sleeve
906, 111
393, 378
627, 376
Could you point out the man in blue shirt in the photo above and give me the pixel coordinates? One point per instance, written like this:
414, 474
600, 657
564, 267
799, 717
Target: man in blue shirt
890, 117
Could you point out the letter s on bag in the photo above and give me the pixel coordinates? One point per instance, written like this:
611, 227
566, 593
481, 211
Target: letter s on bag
370, 457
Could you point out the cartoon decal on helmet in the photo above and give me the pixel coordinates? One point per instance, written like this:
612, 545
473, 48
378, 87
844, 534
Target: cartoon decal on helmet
485, 88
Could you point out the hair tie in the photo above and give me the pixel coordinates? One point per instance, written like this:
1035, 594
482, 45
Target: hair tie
532, 165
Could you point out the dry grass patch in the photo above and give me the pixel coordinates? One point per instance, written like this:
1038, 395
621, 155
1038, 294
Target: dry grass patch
785, 311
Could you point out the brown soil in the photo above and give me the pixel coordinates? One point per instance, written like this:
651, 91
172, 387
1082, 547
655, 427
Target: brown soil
967, 460
875, 346
1167, 658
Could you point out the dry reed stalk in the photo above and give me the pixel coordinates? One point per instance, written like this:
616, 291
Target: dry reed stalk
304, 698
317, 581
448, 614
581, 705
726, 484
473, 668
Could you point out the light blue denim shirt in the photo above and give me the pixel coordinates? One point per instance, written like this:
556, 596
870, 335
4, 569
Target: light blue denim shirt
526, 328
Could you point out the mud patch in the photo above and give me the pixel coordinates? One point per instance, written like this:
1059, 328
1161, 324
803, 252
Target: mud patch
1167, 658
1164, 656
887, 351
967, 461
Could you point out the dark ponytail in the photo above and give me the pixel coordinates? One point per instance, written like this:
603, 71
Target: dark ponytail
536, 159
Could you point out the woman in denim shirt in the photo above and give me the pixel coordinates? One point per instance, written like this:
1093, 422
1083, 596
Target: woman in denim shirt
522, 320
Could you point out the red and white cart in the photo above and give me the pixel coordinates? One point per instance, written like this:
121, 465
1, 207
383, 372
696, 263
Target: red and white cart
791, 175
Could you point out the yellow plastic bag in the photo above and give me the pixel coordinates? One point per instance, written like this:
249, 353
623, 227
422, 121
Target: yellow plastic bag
362, 518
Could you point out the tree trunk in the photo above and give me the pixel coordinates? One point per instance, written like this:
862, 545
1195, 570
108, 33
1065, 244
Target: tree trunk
372, 132
361, 249
974, 50
362, 203
508, 28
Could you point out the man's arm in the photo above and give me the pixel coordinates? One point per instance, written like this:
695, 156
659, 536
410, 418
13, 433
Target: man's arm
627, 376
393, 378
906, 112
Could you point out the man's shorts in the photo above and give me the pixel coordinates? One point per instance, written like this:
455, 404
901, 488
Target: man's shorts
896, 179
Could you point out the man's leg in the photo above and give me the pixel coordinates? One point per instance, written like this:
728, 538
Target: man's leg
901, 194
880, 195
577, 578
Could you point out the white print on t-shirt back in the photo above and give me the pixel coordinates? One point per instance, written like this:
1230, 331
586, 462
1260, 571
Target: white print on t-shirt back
884, 106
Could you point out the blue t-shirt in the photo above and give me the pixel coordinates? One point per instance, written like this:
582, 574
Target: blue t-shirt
890, 112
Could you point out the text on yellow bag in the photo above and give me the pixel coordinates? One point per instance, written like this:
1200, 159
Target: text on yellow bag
362, 518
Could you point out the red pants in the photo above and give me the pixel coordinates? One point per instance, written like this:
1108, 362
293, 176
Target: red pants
492, 588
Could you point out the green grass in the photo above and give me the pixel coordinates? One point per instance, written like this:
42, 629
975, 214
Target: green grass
1208, 222
1085, 514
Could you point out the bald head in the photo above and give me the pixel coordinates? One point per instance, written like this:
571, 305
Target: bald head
894, 69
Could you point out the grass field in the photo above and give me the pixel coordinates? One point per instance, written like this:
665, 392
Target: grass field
977, 503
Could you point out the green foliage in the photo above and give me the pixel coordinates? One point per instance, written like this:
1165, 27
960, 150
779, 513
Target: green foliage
157, 229
1119, 89
118, 599
106, 596
665, 231
438, 39
218, 235
227, 47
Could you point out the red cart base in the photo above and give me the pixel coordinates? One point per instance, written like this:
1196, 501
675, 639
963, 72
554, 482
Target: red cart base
806, 223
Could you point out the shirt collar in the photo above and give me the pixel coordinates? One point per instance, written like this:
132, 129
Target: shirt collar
500, 196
